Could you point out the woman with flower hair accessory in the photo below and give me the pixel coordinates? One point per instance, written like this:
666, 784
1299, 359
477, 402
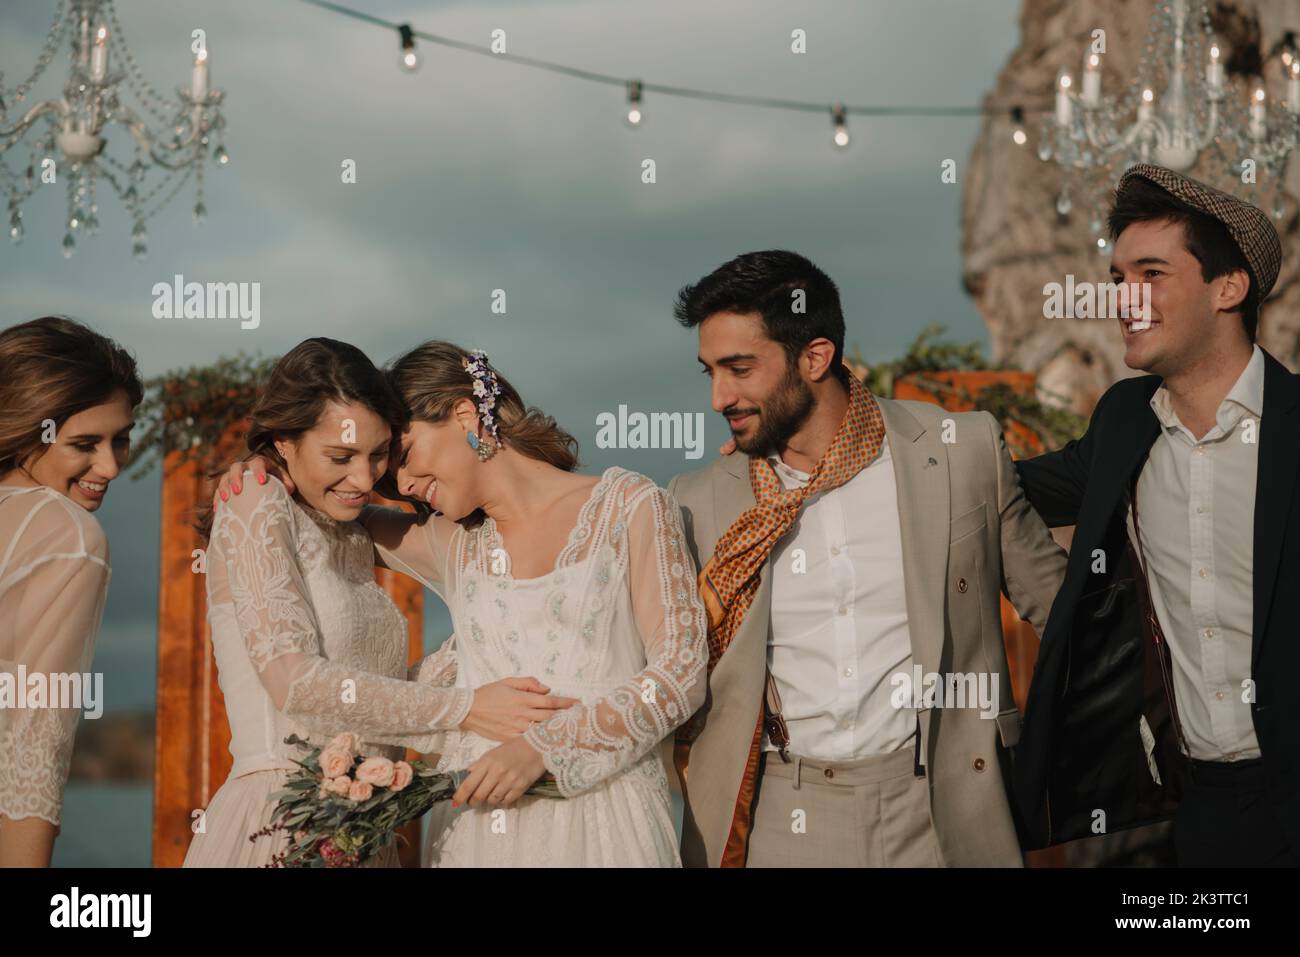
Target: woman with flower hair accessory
585, 582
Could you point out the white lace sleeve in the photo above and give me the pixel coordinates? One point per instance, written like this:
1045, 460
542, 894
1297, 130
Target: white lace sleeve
255, 536
587, 743
53, 602
413, 545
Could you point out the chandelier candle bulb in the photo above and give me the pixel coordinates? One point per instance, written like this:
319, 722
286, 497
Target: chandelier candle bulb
1214, 70
1145, 108
1064, 109
1258, 111
1293, 88
1092, 81
199, 78
99, 55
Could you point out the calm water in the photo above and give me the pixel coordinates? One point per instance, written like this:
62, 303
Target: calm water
105, 825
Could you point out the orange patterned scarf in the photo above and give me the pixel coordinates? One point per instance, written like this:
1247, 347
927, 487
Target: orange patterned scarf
730, 580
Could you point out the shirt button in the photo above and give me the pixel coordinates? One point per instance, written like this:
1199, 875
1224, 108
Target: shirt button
835, 549
961, 585
829, 772
1231, 755
842, 610
1209, 632
1202, 572
848, 672
1218, 695
978, 764
1200, 450
1200, 510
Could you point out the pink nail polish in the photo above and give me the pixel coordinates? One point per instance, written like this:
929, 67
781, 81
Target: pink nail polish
261, 480
236, 488
225, 496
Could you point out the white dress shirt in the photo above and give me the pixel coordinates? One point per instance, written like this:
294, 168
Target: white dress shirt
1196, 499
839, 618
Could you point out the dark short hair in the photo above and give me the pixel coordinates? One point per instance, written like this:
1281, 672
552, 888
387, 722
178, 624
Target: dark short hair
762, 282
1207, 239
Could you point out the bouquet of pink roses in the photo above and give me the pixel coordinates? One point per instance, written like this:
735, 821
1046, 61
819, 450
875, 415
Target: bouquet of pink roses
342, 807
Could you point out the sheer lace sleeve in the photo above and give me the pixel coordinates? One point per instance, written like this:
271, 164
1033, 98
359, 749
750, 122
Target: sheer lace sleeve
437, 669
587, 743
256, 538
53, 582
413, 545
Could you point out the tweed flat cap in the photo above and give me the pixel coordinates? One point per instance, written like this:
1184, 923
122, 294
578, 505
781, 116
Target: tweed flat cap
1248, 225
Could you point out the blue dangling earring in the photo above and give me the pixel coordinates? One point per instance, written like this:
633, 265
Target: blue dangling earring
472, 439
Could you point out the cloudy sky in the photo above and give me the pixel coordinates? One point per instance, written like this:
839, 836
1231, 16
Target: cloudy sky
474, 175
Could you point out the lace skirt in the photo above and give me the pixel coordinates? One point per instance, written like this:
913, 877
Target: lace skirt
242, 806
625, 821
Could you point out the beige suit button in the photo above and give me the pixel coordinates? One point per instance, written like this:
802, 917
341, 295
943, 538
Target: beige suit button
978, 764
830, 772
961, 585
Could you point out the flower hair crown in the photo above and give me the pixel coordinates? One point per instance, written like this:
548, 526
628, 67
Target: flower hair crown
486, 389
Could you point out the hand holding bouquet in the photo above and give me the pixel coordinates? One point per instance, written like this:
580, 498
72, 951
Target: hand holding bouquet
341, 807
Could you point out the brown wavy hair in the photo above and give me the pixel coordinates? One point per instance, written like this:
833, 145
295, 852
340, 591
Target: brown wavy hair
53, 368
307, 378
432, 378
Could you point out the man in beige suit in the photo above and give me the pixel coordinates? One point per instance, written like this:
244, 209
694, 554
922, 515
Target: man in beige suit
860, 711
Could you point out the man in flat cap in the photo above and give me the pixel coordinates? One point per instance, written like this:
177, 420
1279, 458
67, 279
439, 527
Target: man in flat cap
1165, 684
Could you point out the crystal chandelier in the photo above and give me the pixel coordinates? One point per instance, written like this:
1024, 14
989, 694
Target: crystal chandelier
66, 138
1178, 107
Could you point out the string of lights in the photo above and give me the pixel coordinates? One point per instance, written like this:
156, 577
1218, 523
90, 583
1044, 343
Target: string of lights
636, 89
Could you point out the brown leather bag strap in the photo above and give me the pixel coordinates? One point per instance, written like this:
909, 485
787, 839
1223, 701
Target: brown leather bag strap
1157, 633
773, 723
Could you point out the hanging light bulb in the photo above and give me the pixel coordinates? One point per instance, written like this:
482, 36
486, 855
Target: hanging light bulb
410, 59
634, 114
840, 122
1018, 135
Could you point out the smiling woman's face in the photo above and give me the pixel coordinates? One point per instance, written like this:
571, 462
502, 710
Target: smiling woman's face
88, 451
437, 465
336, 463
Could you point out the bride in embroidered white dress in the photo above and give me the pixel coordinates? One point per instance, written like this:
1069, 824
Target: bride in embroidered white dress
617, 625
615, 621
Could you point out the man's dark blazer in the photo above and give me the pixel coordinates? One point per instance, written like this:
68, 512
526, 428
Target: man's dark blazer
1080, 750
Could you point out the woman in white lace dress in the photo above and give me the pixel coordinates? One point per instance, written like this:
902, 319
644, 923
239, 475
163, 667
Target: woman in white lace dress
306, 641
584, 582
68, 396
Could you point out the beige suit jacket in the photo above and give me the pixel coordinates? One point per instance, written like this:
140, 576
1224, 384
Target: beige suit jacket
968, 533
